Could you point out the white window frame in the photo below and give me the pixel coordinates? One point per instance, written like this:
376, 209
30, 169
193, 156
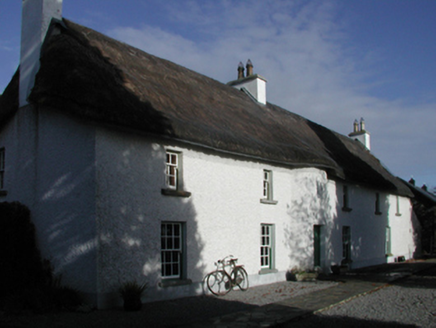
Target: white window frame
172, 241
267, 184
2, 168
266, 246
172, 168
267, 188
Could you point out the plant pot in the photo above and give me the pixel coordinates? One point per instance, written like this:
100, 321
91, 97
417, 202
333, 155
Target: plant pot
336, 269
306, 276
132, 304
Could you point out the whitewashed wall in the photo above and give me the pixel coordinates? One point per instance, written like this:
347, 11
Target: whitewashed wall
223, 215
95, 197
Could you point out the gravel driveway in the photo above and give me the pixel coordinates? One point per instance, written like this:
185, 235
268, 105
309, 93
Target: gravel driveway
408, 303
168, 313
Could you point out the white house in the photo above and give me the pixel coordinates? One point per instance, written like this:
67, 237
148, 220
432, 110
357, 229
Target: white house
134, 167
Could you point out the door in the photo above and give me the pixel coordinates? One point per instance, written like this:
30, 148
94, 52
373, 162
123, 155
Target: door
317, 245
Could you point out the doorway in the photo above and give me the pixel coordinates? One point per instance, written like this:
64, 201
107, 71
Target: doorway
317, 245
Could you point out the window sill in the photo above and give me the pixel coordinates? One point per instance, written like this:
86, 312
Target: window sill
267, 271
378, 213
346, 209
3, 192
175, 193
174, 282
268, 201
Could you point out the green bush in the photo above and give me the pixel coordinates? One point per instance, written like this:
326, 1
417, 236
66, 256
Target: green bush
28, 281
20, 259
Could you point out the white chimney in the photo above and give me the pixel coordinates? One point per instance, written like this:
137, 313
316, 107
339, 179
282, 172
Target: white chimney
253, 84
360, 134
35, 20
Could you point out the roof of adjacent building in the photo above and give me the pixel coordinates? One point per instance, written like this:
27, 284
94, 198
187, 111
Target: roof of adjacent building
94, 77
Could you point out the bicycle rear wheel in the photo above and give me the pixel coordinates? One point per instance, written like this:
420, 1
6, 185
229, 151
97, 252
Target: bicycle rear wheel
219, 282
240, 277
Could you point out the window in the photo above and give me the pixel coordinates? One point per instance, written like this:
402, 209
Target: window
2, 168
377, 204
346, 243
172, 169
388, 242
172, 240
267, 184
266, 246
173, 175
345, 199
267, 188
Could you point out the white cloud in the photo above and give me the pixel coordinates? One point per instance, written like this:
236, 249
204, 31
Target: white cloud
303, 50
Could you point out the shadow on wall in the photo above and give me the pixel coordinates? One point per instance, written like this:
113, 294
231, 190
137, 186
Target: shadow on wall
369, 228
105, 234
137, 222
366, 227
100, 208
313, 207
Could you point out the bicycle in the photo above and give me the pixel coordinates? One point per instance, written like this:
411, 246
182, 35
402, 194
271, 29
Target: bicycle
220, 282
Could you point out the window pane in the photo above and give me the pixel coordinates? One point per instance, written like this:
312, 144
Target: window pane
167, 257
167, 270
175, 269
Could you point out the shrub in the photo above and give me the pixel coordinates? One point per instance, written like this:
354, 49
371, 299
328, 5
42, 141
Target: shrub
131, 293
28, 281
20, 259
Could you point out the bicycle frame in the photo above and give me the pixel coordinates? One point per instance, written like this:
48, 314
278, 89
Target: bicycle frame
221, 281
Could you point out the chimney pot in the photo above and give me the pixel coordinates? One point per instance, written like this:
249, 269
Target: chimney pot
249, 68
356, 126
240, 71
412, 181
362, 124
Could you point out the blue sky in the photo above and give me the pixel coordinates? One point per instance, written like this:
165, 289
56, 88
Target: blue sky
329, 61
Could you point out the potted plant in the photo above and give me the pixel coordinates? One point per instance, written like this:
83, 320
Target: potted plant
343, 267
131, 293
309, 274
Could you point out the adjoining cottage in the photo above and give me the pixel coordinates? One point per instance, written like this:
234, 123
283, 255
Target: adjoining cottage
137, 168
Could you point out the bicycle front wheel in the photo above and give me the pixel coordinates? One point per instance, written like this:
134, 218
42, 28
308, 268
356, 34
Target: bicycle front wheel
240, 277
219, 282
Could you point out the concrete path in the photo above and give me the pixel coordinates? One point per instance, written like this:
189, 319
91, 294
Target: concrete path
354, 284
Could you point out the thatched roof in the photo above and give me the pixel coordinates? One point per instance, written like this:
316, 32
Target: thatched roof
92, 76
